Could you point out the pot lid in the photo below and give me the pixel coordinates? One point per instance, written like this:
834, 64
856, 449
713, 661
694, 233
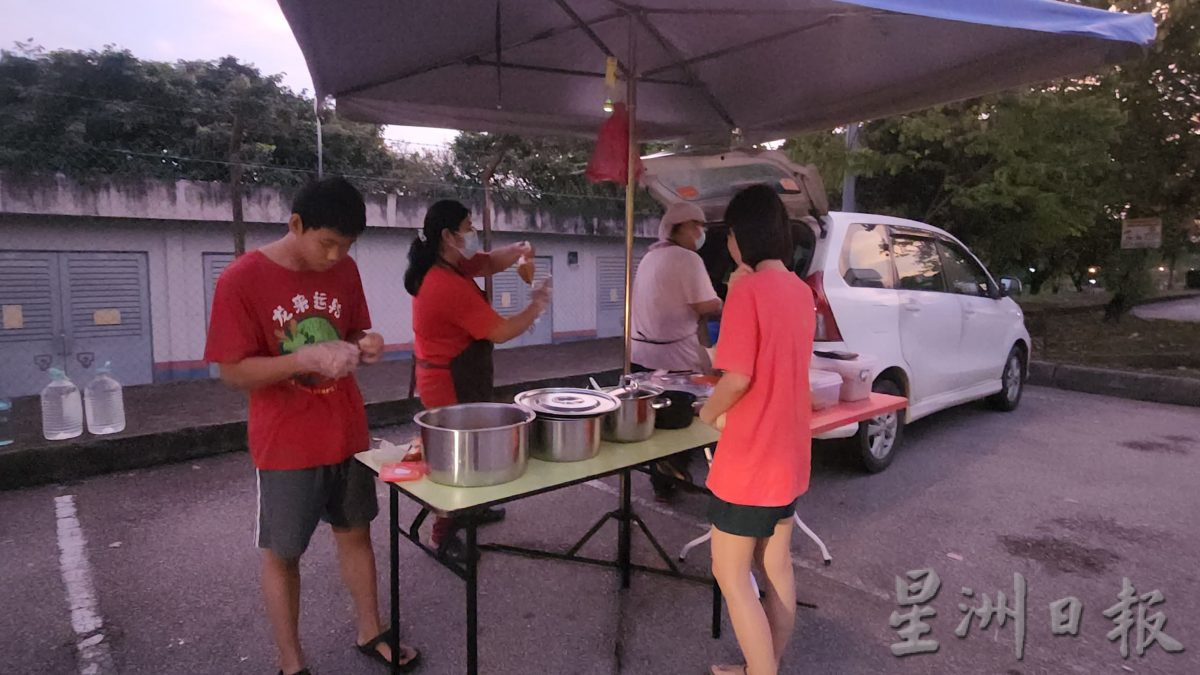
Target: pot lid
565, 401
636, 390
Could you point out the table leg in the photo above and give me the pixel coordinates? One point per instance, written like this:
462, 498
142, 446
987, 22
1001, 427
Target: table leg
394, 575
624, 533
716, 610
472, 601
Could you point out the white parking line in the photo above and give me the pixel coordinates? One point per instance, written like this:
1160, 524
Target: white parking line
93, 652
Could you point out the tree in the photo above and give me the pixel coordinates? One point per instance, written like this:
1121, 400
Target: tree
86, 113
547, 172
1015, 175
1159, 146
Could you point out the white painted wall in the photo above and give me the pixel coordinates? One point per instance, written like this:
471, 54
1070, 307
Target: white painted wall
177, 283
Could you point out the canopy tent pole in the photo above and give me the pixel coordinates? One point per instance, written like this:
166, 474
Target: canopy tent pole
320, 141
630, 190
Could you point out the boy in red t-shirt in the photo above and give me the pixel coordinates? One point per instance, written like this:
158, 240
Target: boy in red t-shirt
289, 325
762, 405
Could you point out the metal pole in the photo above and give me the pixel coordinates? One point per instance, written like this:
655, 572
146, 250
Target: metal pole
624, 532
630, 190
320, 141
394, 576
848, 177
472, 601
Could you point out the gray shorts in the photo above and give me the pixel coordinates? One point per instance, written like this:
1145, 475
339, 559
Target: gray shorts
292, 502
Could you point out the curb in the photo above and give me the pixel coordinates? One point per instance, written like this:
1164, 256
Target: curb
1118, 383
41, 465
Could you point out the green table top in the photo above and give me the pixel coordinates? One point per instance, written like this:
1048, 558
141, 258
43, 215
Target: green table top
542, 476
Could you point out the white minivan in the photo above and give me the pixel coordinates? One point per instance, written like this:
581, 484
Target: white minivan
913, 298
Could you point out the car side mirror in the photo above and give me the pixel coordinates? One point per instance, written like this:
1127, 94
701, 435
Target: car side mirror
1010, 286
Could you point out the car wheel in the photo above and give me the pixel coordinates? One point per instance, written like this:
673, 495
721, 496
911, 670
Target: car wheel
1014, 382
878, 439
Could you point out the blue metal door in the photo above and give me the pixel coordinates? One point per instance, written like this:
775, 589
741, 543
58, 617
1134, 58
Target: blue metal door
31, 332
106, 312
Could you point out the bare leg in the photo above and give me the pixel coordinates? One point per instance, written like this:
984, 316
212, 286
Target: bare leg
778, 584
732, 558
281, 589
357, 560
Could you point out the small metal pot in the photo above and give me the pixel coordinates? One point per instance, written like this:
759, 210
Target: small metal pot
568, 422
565, 439
680, 414
634, 421
475, 444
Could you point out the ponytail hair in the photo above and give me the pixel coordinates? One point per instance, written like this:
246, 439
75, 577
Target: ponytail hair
423, 253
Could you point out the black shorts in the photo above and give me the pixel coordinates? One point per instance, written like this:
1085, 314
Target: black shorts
747, 521
292, 502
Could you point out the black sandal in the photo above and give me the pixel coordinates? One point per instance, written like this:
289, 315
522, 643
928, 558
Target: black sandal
371, 650
299, 672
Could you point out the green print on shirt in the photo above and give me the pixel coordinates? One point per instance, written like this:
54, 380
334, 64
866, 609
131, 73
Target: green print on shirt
307, 331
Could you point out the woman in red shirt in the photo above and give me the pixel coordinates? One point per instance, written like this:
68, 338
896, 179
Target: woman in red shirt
762, 405
454, 327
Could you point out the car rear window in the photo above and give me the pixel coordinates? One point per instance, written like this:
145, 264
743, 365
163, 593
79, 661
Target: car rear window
867, 257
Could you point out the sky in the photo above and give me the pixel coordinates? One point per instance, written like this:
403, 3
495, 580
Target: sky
168, 30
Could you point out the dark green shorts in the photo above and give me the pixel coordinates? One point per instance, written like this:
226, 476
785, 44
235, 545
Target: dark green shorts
292, 502
747, 521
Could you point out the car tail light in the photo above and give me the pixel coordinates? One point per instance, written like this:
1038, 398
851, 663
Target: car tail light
827, 328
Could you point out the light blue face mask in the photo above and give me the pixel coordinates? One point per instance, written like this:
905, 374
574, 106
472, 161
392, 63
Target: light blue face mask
470, 244
701, 240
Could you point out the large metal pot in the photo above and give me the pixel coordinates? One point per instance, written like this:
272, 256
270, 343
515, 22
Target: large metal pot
475, 444
568, 422
634, 421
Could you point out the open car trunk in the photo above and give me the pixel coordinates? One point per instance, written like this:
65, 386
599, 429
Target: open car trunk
711, 180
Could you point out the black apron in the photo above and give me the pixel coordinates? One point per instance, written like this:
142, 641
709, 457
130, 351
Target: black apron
472, 373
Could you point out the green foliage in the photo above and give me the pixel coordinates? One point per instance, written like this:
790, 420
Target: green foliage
543, 171
109, 113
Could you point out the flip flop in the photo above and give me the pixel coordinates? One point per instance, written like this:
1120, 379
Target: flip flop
728, 670
371, 650
299, 672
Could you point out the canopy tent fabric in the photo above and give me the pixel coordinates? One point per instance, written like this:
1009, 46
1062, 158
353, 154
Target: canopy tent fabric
767, 68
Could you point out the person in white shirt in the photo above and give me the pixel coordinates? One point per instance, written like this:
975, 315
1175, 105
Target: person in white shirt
672, 292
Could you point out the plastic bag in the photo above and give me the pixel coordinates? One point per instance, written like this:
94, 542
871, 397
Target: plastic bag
610, 159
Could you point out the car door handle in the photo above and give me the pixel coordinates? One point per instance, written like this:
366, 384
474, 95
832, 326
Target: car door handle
969, 313
912, 307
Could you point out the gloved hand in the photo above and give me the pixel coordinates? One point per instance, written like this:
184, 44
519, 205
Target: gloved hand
542, 293
333, 359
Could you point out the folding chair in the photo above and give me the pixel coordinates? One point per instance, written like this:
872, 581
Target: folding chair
799, 523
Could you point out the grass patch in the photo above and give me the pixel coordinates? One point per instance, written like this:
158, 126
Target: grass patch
1083, 338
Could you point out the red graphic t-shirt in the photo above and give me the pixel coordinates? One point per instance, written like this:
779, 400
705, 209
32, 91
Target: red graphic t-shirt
764, 456
261, 308
449, 313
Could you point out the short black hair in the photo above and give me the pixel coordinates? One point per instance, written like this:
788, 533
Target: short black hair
758, 220
332, 203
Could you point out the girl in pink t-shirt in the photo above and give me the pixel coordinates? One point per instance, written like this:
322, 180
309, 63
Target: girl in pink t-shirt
762, 407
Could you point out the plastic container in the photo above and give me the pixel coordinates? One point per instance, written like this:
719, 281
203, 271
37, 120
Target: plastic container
104, 403
62, 408
826, 387
857, 372
6, 429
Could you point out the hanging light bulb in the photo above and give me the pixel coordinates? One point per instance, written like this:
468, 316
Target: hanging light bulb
610, 82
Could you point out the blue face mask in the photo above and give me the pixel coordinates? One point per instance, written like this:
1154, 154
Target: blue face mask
700, 241
470, 244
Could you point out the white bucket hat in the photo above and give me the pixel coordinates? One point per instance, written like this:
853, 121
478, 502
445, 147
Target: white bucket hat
680, 212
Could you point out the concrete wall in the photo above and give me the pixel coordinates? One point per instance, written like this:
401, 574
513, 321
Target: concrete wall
191, 201
65, 216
